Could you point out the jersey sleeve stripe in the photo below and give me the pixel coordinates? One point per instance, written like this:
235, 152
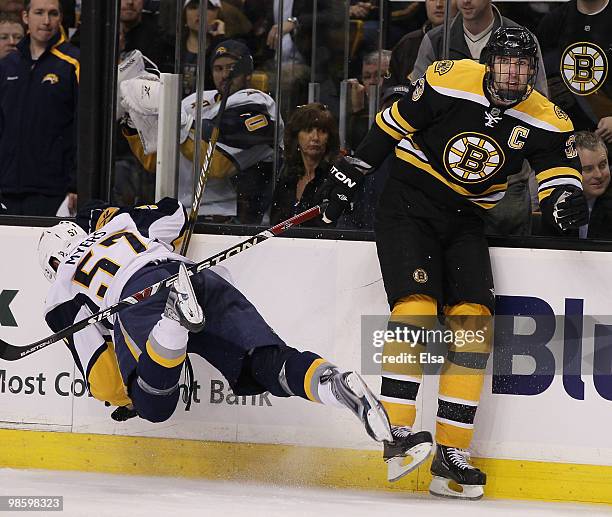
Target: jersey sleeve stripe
538, 122
558, 171
543, 194
555, 182
397, 116
382, 124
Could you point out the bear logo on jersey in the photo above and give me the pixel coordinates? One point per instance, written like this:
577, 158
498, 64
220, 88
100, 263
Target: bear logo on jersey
472, 157
420, 276
419, 88
443, 67
584, 67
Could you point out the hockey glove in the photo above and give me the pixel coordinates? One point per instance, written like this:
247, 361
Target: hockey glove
568, 209
123, 413
339, 188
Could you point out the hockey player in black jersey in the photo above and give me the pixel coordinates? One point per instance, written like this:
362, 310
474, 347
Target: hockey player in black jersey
134, 361
459, 132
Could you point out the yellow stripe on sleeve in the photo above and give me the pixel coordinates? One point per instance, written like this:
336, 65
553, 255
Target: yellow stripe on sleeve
558, 171
387, 128
543, 194
401, 120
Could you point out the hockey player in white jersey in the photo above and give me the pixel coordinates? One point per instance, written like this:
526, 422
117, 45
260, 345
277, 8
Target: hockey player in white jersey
240, 183
135, 360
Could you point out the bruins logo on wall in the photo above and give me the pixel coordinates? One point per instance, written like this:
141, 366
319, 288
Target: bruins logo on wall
442, 67
472, 157
584, 67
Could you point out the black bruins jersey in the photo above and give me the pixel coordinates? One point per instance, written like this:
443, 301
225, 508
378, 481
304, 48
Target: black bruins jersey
578, 48
446, 133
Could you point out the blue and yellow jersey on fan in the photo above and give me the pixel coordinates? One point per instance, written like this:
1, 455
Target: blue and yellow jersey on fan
454, 145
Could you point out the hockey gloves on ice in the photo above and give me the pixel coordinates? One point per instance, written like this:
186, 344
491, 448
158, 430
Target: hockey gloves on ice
339, 188
568, 209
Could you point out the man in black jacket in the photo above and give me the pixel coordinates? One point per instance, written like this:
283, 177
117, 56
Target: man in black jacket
593, 155
38, 106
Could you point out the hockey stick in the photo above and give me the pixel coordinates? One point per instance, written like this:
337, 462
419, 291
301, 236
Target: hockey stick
240, 68
10, 352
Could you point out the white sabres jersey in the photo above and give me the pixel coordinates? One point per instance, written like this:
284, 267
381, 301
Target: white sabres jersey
92, 278
249, 114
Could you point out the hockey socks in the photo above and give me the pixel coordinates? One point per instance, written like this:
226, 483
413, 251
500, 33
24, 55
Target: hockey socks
155, 391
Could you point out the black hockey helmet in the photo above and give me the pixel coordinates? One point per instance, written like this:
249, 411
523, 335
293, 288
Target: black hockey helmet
509, 81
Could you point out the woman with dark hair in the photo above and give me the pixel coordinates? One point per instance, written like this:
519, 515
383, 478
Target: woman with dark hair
216, 34
311, 145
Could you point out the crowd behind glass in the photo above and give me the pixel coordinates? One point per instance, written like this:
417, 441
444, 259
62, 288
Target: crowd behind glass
337, 69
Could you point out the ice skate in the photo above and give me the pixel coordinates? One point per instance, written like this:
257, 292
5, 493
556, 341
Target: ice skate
451, 464
352, 391
182, 305
406, 452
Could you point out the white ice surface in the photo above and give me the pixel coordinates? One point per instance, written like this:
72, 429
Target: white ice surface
101, 495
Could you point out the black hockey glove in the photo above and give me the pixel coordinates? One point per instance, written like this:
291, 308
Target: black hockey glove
123, 413
340, 186
568, 208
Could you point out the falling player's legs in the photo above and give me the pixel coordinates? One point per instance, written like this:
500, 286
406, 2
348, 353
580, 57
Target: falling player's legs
254, 359
151, 341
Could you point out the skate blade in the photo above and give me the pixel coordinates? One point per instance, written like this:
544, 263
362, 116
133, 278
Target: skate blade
398, 467
376, 419
188, 302
440, 487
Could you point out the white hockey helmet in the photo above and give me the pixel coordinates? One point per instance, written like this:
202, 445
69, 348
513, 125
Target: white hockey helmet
55, 243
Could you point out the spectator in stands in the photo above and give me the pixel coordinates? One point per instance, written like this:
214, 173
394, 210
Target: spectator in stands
297, 46
311, 146
405, 52
371, 75
577, 45
11, 33
142, 32
216, 34
38, 105
12, 6
239, 187
469, 33
593, 155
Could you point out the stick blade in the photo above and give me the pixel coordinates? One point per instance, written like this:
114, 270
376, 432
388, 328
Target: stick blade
9, 352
